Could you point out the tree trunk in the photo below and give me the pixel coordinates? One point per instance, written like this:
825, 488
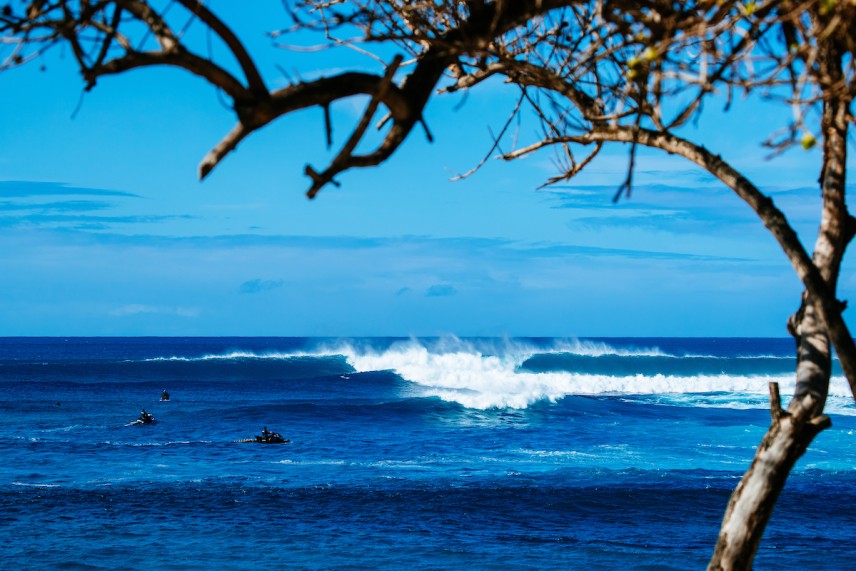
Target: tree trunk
791, 432
789, 435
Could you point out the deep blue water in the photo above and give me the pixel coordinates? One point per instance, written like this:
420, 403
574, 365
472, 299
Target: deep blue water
424, 454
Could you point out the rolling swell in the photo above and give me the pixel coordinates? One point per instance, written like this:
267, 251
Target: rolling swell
210, 369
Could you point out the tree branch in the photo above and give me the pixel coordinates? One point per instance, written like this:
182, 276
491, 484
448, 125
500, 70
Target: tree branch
321, 92
829, 309
344, 159
203, 68
254, 79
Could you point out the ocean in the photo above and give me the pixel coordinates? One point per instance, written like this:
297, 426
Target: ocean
404, 453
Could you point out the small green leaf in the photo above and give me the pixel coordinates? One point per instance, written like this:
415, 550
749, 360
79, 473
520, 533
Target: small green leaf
808, 141
826, 6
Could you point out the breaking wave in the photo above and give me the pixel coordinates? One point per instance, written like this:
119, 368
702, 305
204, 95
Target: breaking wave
463, 372
515, 373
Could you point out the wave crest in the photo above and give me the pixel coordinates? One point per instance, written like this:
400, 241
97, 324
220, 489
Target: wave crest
462, 371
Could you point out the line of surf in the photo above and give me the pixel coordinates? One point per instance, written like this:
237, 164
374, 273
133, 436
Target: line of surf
485, 373
241, 355
517, 349
462, 372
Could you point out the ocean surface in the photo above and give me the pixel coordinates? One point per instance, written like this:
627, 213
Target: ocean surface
442, 453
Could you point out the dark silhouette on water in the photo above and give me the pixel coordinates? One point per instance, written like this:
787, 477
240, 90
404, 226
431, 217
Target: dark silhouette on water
267, 437
144, 418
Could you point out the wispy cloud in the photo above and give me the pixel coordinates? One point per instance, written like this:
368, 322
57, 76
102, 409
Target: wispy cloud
441, 290
143, 284
86, 221
559, 251
679, 210
21, 188
259, 285
56, 206
275, 246
137, 309
29, 204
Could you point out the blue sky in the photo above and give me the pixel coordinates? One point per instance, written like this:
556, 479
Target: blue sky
106, 231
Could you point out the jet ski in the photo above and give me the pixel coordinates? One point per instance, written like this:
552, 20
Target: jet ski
164, 396
271, 438
267, 437
145, 418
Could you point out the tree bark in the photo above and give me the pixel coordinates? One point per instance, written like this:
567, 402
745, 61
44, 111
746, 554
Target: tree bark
788, 437
790, 433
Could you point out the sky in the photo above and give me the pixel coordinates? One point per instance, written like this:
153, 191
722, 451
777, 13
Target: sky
105, 229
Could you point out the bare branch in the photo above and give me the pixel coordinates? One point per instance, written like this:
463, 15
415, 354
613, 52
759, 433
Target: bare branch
496, 141
344, 159
254, 79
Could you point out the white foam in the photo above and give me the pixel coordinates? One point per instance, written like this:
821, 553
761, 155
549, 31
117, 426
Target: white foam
593, 349
28, 485
555, 453
459, 371
232, 355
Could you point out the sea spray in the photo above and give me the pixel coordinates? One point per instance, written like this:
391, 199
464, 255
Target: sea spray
461, 371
